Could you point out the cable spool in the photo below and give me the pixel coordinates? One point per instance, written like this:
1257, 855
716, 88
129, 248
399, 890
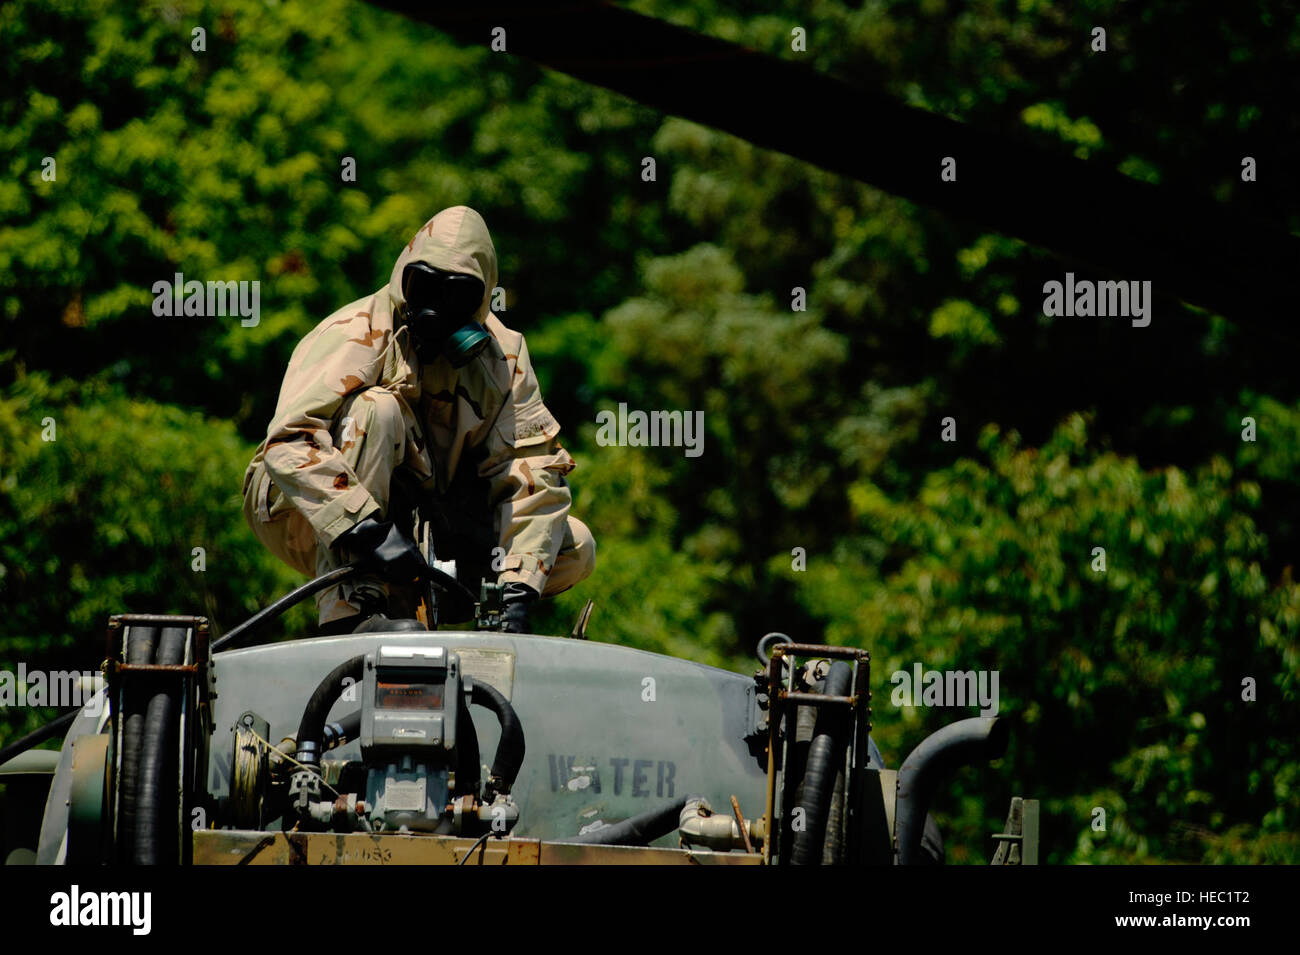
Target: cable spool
249, 776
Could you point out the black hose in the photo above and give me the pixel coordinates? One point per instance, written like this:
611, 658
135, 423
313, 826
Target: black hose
978, 739
283, 604
640, 830
157, 786
799, 723
445, 580
36, 737
825, 761
140, 645
311, 729
341, 731
481, 840
468, 765
510, 750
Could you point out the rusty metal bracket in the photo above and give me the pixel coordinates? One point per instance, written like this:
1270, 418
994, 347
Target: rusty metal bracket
816, 699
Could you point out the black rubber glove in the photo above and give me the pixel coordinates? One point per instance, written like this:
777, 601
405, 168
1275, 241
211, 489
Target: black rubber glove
379, 546
517, 602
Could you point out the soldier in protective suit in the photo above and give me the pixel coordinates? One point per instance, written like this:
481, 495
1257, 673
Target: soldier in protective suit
419, 394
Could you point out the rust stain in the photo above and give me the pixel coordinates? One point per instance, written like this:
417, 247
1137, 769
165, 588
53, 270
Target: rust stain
297, 848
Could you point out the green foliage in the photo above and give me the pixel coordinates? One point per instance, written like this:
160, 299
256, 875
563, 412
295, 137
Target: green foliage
103, 499
226, 164
1134, 672
821, 426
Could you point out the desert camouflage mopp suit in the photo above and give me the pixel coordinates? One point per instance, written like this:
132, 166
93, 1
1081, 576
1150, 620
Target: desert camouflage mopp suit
358, 408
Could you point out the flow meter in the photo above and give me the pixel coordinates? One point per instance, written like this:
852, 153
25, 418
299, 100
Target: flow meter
410, 698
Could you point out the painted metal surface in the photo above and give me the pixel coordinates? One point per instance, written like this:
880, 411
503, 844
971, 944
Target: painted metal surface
611, 731
54, 827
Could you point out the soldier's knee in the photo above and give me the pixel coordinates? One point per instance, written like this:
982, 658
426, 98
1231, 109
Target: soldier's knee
576, 560
584, 547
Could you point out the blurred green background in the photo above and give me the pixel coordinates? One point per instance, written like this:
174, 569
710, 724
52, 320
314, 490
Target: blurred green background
822, 426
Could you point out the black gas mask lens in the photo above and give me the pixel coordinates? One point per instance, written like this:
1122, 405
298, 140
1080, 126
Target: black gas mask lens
440, 309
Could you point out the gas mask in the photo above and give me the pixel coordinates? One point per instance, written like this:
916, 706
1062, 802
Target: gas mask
440, 310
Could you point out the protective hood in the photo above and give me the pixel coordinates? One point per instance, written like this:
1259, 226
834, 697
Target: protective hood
455, 240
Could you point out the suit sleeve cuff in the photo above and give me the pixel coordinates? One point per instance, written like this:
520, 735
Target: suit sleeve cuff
524, 569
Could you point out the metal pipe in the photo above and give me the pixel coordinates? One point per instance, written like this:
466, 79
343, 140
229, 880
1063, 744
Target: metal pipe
699, 825
819, 650
36, 737
963, 743
817, 699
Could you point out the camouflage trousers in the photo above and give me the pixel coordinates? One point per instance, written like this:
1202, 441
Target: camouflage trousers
370, 433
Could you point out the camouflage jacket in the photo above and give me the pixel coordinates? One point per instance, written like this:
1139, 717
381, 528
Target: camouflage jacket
493, 404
